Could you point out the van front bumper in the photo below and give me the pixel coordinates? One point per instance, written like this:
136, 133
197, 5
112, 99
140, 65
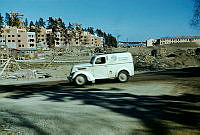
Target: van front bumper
70, 77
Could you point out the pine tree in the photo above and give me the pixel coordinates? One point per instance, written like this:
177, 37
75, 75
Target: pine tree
61, 24
31, 26
71, 26
41, 22
1, 20
50, 23
99, 32
90, 30
8, 19
37, 24
26, 22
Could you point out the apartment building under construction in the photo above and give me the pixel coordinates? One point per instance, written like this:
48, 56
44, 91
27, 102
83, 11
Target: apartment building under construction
21, 42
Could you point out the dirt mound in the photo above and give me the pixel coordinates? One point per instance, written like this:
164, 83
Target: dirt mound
165, 56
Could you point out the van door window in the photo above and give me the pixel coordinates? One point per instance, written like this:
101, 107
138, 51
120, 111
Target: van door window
101, 60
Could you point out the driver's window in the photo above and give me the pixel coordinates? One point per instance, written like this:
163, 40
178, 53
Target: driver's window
101, 60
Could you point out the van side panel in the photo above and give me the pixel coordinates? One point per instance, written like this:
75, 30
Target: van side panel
118, 62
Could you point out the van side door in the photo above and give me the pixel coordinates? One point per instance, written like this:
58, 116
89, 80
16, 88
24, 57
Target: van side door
100, 68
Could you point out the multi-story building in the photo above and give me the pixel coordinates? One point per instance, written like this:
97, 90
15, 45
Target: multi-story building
182, 39
23, 42
73, 38
42, 38
26, 44
87, 39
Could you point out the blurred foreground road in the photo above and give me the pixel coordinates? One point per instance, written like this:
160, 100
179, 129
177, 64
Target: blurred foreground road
156, 103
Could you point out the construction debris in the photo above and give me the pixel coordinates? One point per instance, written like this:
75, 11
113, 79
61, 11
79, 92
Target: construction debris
28, 74
9, 64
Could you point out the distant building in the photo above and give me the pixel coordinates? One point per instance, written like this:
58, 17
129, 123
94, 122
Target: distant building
182, 39
131, 44
152, 42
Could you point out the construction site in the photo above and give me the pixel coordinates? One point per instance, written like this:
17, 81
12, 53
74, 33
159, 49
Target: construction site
38, 53
55, 64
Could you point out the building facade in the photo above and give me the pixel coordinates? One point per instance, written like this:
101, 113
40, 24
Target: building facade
182, 39
86, 39
23, 42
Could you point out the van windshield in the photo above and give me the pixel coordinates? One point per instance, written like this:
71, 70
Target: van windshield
92, 59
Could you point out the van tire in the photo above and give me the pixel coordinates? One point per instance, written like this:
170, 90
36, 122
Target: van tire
80, 80
123, 76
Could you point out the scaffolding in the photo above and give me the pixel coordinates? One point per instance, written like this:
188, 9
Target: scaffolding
7, 61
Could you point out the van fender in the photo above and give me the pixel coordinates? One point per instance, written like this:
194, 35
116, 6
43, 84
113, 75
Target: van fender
121, 69
89, 76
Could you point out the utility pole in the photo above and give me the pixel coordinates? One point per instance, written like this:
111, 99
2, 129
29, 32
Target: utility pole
127, 44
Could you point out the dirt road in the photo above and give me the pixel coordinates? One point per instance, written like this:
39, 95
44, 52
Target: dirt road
156, 103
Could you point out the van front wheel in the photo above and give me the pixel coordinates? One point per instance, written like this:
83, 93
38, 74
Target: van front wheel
80, 80
123, 76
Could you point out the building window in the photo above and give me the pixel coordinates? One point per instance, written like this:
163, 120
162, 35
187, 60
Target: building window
19, 35
22, 45
19, 40
13, 40
19, 45
9, 40
13, 35
76, 42
31, 45
8, 35
31, 40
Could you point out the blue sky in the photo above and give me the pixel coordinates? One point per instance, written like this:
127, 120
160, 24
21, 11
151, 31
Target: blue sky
133, 20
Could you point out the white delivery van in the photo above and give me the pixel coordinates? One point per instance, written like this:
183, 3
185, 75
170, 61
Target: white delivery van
104, 66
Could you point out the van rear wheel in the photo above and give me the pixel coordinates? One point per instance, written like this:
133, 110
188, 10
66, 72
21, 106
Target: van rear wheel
123, 76
80, 80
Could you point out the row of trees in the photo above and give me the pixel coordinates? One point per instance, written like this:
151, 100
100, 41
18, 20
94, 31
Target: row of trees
57, 25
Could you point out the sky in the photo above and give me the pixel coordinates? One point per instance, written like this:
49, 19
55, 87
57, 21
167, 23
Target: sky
129, 20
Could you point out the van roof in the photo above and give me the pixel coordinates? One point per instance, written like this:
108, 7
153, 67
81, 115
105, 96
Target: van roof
111, 53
